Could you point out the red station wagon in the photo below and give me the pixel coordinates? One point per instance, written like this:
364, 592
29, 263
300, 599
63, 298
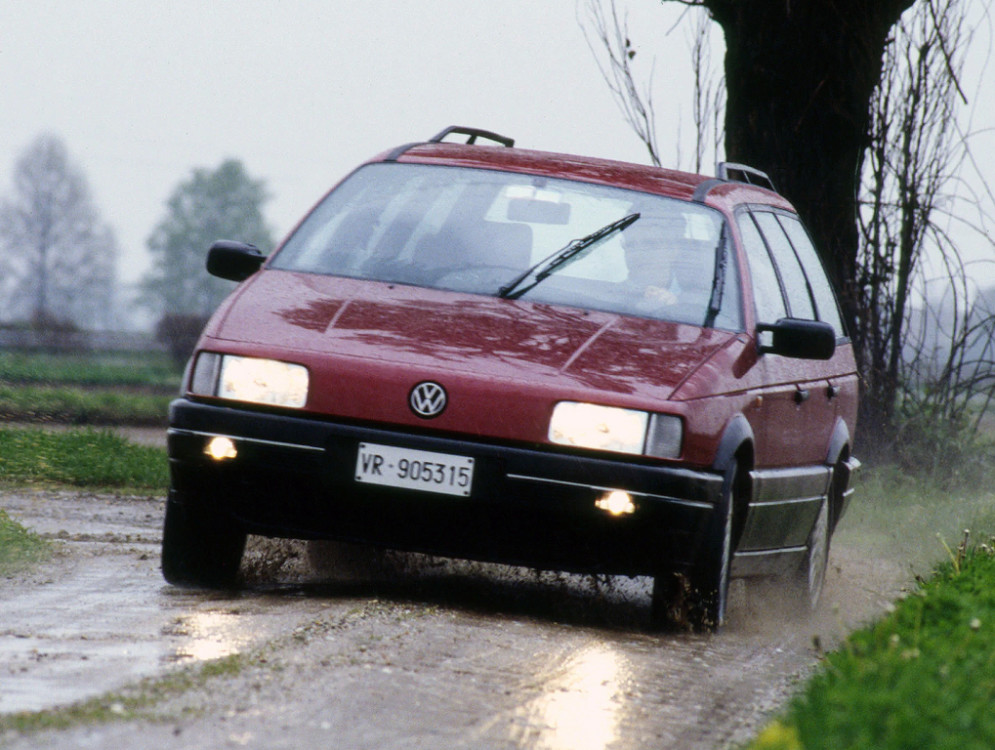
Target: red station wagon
491, 353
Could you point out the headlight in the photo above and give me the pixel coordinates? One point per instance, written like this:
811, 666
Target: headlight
257, 381
609, 428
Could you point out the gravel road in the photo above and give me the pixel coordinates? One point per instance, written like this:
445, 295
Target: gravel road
404, 652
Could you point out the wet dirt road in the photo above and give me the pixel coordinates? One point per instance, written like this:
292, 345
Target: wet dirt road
407, 653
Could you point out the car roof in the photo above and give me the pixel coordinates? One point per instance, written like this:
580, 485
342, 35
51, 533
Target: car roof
722, 192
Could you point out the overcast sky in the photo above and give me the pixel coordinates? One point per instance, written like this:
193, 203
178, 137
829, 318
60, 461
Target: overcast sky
144, 91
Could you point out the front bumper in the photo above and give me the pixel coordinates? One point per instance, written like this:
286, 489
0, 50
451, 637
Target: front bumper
296, 477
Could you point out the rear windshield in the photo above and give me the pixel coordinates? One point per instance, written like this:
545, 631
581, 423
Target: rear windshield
477, 231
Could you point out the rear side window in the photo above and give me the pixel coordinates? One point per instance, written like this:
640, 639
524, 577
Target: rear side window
788, 277
796, 287
822, 290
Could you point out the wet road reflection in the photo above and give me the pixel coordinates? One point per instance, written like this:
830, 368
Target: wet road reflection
210, 635
409, 652
581, 707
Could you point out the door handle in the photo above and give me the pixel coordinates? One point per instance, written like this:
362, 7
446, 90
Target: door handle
832, 392
801, 395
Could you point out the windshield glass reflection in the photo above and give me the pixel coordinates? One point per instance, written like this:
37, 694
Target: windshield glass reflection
479, 232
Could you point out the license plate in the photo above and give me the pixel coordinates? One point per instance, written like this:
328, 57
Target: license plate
411, 469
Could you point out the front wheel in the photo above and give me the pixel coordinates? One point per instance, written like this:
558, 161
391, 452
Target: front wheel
199, 549
698, 600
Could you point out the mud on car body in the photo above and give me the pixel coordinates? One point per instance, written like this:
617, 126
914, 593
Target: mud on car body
499, 354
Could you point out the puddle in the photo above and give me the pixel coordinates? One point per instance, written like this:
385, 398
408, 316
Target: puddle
582, 703
99, 615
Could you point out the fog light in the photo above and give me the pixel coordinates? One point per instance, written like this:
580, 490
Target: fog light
221, 448
616, 503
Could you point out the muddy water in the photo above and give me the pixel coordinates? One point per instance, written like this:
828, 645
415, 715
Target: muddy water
403, 652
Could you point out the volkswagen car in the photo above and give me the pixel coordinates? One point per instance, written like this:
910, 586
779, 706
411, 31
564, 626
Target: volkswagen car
479, 351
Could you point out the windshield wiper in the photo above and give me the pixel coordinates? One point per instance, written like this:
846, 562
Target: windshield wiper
718, 280
574, 250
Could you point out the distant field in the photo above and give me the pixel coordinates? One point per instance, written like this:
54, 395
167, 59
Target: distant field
151, 370
87, 389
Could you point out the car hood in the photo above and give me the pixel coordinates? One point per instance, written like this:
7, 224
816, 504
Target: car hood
425, 330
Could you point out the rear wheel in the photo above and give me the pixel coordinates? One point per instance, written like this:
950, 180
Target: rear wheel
698, 600
808, 580
200, 549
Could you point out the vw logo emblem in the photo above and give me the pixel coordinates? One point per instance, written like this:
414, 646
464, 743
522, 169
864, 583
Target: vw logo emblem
428, 399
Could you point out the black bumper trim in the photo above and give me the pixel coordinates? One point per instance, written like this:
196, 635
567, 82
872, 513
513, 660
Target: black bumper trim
294, 476
240, 438
604, 488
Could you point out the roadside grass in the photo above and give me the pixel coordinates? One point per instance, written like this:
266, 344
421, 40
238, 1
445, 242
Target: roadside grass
902, 515
145, 369
19, 547
78, 406
922, 677
81, 457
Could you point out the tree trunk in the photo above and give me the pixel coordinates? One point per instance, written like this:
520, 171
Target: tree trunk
800, 75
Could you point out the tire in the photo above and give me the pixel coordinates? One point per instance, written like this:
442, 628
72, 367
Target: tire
808, 580
697, 601
199, 549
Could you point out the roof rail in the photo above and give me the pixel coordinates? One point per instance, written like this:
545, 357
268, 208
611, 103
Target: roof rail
733, 172
474, 134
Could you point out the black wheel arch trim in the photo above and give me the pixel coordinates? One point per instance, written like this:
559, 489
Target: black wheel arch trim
736, 434
843, 465
838, 443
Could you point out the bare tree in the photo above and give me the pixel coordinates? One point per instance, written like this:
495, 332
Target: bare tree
925, 354
608, 36
854, 112
60, 260
799, 77
611, 37
709, 96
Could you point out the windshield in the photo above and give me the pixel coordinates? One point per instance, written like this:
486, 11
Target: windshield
477, 231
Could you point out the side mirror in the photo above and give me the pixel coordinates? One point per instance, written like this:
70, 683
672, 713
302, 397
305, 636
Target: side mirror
802, 339
235, 261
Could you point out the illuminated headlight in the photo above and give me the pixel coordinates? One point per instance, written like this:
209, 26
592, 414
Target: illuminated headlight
257, 381
609, 428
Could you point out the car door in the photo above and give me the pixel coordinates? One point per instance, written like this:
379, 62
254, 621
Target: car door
842, 385
797, 407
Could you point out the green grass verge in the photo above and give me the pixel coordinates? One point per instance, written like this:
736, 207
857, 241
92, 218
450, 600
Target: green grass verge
899, 515
18, 546
145, 369
922, 677
114, 388
78, 406
81, 457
